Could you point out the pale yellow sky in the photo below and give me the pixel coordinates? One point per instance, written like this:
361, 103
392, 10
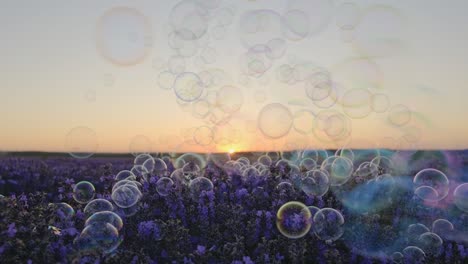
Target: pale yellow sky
53, 78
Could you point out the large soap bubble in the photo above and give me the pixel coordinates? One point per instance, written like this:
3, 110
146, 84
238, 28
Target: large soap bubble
124, 36
64, 210
328, 224
198, 186
98, 205
293, 220
105, 217
414, 254
430, 243
460, 196
126, 196
275, 120
164, 186
83, 192
81, 142
340, 169
188, 87
124, 175
315, 182
99, 237
431, 185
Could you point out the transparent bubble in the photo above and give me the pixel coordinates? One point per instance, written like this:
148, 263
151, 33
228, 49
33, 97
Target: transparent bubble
274, 156
164, 186
64, 210
331, 126
431, 185
140, 144
176, 64
442, 227
203, 135
295, 25
125, 174
345, 152
126, 182
315, 183
317, 12
357, 103
380, 102
399, 115
124, 36
285, 188
414, 255
277, 48
286, 74
460, 197
328, 224
265, 160
414, 231
303, 121
194, 158
397, 257
160, 167
308, 164
293, 220
105, 217
81, 142
83, 192
219, 159
188, 87
98, 205
179, 179
347, 15
256, 61
310, 153
126, 196
189, 19
275, 120
430, 243
198, 186
340, 169
140, 172
98, 237
384, 164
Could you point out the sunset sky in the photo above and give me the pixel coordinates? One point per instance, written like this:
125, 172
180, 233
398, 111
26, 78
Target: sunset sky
65, 65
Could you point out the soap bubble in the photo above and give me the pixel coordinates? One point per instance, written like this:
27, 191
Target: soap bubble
328, 224
399, 115
275, 120
198, 186
188, 86
315, 183
430, 243
140, 172
64, 210
265, 160
126, 182
414, 255
293, 220
100, 237
126, 196
124, 36
81, 142
340, 169
83, 192
105, 217
164, 186
357, 103
347, 16
414, 231
98, 205
308, 164
160, 167
431, 184
442, 227
380, 103
124, 175
189, 19
259, 27
460, 196
397, 257
229, 99
317, 16
194, 158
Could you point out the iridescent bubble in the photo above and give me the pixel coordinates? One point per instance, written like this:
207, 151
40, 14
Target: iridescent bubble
64, 210
331, 126
188, 87
397, 257
140, 172
126, 182
430, 243
293, 220
414, 255
256, 61
101, 237
328, 224
105, 217
442, 227
194, 158
399, 115
124, 36
460, 197
315, 183
285, 188
126, 196
275, 120
83, 192
340, 169
125, 174
164, 186
81, 142
189, 19
431, 185
198, 186
265, 160
308, 164
98, 205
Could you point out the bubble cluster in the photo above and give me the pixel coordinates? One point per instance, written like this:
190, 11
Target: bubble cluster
431, 185
328, 224
98, 205
460, 196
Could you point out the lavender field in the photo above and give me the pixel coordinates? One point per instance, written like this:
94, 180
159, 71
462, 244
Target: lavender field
353, 206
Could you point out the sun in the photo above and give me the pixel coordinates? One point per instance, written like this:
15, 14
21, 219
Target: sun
231, 151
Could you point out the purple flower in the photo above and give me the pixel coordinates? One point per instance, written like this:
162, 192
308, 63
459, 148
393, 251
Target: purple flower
11, 232
201, 250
